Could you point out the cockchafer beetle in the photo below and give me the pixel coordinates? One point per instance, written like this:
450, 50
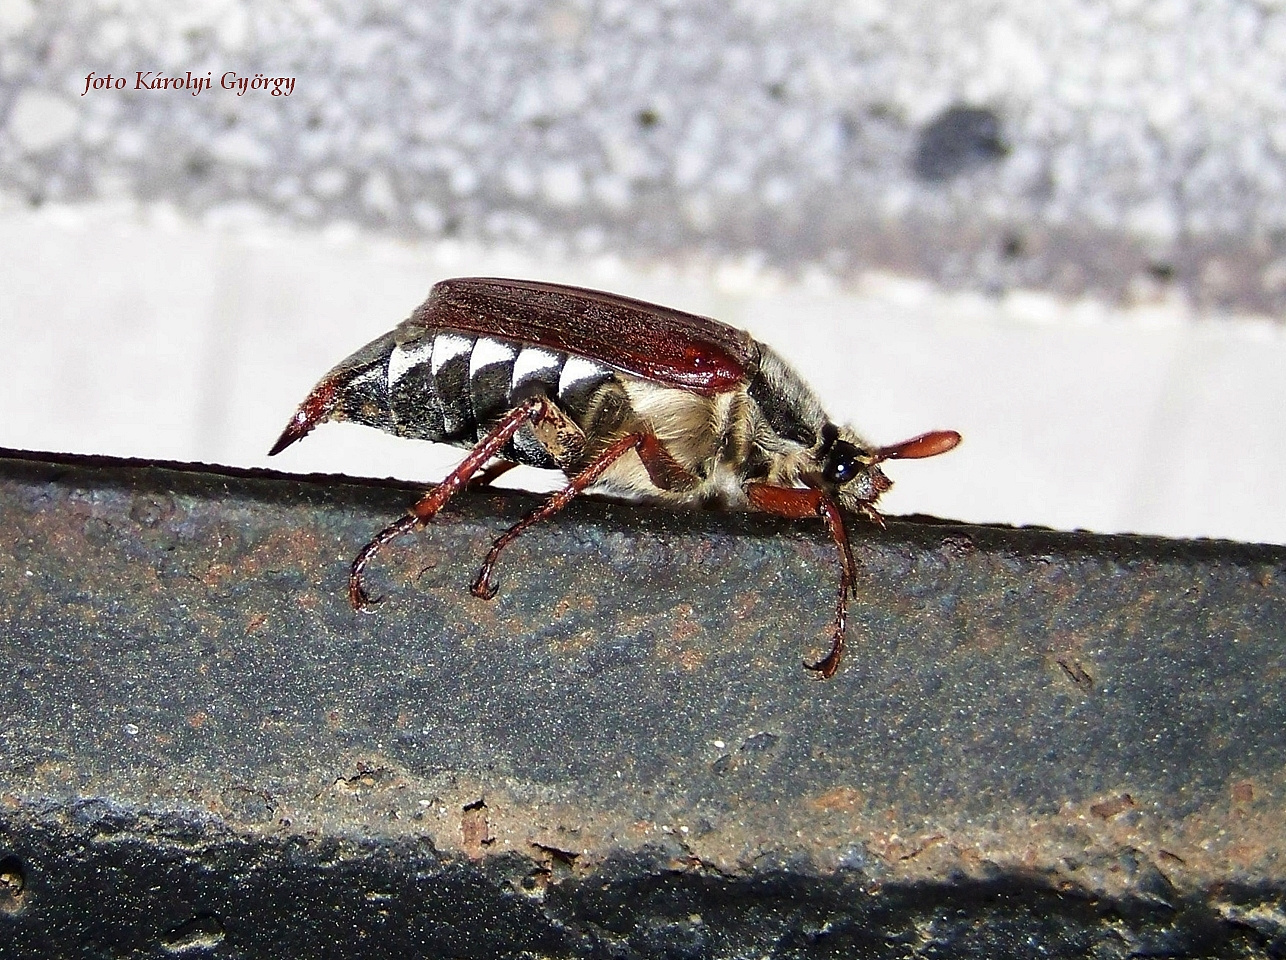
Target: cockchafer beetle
635, 399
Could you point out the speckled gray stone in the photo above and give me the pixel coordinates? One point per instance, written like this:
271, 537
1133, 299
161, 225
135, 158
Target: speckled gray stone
1136, 146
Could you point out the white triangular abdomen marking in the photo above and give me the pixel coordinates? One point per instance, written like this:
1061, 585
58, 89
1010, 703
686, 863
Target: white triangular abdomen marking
530, 362
407, 355
448, 346
578, 371
487, 352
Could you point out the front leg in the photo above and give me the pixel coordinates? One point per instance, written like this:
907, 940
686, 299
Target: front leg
798, 503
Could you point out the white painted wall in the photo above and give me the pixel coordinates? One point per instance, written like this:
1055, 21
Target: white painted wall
136, 332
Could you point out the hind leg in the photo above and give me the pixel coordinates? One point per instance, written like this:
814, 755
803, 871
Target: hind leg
534, 410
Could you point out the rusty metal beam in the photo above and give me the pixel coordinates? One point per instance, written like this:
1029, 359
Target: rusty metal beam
1040, 743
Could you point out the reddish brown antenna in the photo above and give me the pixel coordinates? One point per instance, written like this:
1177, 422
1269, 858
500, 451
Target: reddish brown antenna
917, 448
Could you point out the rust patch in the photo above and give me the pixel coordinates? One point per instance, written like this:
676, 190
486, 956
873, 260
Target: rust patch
927, 843
844, 799
217, 574
578, 643
685, 628
556, 861
1243, 792
298, 548
310, 600
475, 830
1107, 809
678, 645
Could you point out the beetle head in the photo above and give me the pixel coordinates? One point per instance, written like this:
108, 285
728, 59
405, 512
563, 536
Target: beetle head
852, 469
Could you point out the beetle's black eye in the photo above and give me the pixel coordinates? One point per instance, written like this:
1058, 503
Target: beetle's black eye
840, 471
843, 464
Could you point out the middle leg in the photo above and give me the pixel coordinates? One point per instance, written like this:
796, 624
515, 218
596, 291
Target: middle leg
661, 466
483, 585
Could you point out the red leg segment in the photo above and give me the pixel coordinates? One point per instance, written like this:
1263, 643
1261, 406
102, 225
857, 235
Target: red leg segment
798, 503
494, 472
433, 501
662, 469
483, 586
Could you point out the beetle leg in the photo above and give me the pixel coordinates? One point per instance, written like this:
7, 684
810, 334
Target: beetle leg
424, 510
662, 469
870, 513
560, 436
482, 586
798, 503
830, 512
357, 595
489, 474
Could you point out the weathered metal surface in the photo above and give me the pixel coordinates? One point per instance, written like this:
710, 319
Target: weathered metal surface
1039, 742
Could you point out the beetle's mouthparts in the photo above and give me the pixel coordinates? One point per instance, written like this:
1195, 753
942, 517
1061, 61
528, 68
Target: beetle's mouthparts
316, 409
879, 481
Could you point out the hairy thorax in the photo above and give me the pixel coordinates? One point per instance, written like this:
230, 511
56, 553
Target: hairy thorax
719, 440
